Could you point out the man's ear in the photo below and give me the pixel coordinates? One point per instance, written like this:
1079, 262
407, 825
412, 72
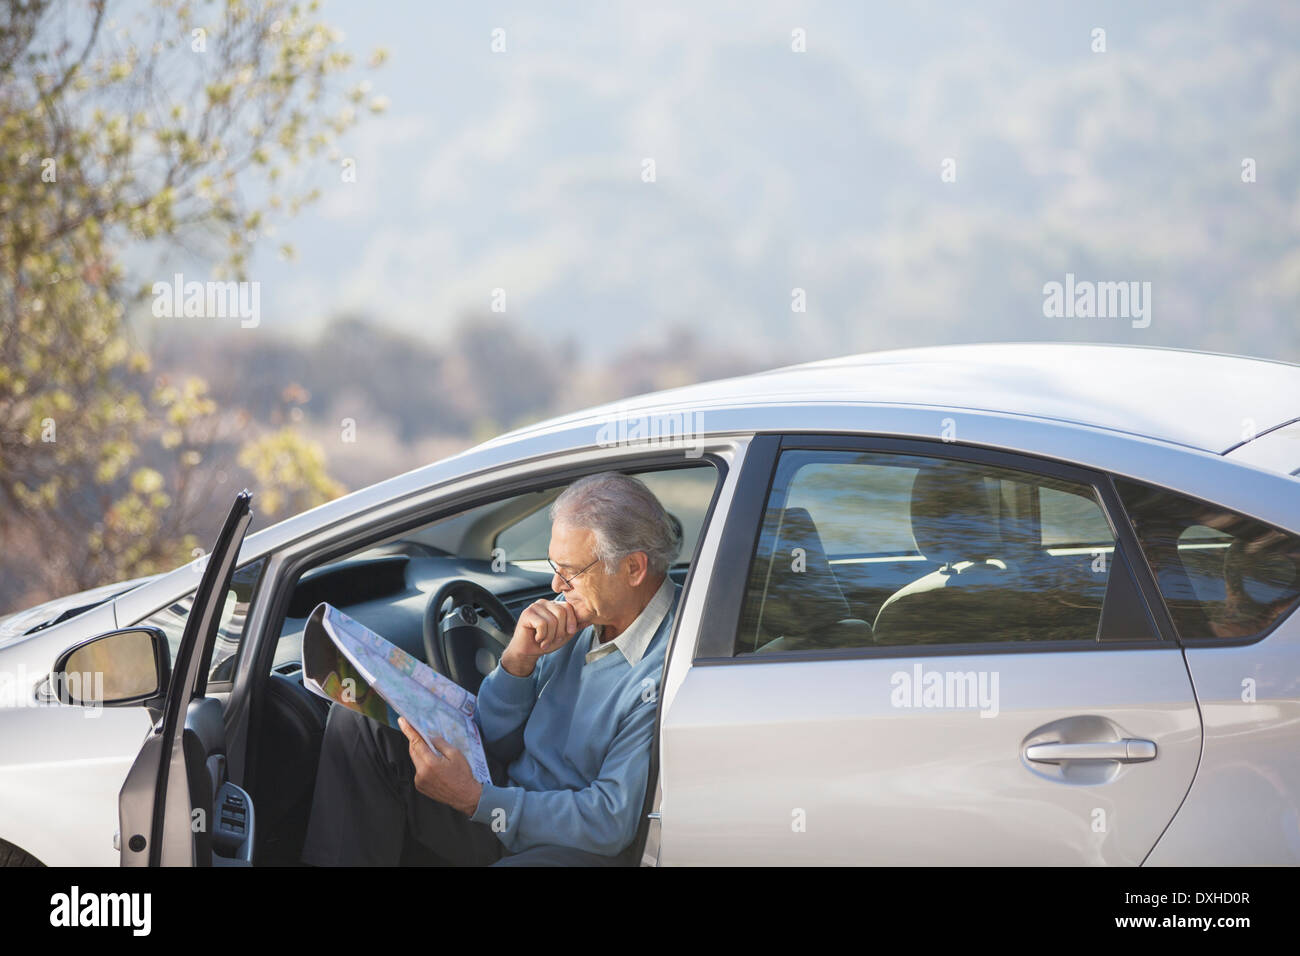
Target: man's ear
638, 567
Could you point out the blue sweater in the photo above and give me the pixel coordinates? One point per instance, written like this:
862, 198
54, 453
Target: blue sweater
576, 738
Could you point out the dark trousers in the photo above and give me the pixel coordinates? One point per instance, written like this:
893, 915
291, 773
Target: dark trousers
365, 808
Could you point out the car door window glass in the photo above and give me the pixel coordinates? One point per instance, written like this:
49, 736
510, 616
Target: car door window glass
1071, 520
1222, 574
863, 549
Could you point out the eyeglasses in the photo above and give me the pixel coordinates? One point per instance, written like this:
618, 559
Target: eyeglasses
568, 582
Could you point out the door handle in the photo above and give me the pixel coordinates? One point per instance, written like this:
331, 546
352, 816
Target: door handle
1128, 750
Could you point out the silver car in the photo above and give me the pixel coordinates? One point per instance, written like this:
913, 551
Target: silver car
987, 604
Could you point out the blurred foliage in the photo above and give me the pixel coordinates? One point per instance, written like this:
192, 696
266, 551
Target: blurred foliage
113, 134
291, 469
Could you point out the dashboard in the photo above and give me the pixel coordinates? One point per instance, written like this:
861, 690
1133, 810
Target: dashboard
389, 594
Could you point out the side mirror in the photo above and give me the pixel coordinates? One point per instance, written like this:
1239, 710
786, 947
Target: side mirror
130, 666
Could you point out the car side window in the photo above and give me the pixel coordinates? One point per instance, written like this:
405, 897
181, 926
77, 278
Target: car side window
864, 549
685, 494
230, 632
1222, 575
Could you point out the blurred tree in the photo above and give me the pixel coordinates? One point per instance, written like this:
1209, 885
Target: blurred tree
291, 470
116, 135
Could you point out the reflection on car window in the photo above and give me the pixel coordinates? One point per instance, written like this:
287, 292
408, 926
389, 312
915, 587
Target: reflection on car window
869, 549
1222, 575
1072, 520
230, 632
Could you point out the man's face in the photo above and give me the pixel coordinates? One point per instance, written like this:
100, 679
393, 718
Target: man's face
596, 597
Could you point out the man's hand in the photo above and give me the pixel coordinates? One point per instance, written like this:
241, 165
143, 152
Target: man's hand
443, 776
545, 626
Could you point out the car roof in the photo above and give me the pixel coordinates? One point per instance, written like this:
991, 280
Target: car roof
1204, 400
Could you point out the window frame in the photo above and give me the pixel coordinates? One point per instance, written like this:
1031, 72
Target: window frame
717, 638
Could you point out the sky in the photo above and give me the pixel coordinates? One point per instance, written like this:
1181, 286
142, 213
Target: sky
920, 171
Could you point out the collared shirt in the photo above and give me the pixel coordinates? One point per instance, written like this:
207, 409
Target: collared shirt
634, 640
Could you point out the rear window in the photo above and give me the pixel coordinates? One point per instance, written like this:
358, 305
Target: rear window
1222, 575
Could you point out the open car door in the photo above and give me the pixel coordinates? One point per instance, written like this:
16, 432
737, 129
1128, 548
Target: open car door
177, 808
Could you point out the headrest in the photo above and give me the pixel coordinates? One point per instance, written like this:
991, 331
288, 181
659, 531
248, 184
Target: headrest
952, 518
802, 593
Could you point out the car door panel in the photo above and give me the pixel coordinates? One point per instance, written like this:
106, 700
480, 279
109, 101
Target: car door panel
822, 756
165, 786
1242, 809
811, 762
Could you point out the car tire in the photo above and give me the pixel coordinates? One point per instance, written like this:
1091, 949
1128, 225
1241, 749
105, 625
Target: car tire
11, 855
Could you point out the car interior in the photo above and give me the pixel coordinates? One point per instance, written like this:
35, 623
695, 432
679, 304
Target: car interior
389, 586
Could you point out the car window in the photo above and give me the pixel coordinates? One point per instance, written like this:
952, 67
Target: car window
230, 632
861, 549
1221, 574
685, 494
861, 508
1072, 520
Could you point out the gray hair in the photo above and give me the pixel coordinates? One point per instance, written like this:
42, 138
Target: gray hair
624, 515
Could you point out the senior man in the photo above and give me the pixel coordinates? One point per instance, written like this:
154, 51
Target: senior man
566, 717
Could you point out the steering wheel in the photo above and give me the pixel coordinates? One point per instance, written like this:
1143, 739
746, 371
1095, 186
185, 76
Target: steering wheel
463, 644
